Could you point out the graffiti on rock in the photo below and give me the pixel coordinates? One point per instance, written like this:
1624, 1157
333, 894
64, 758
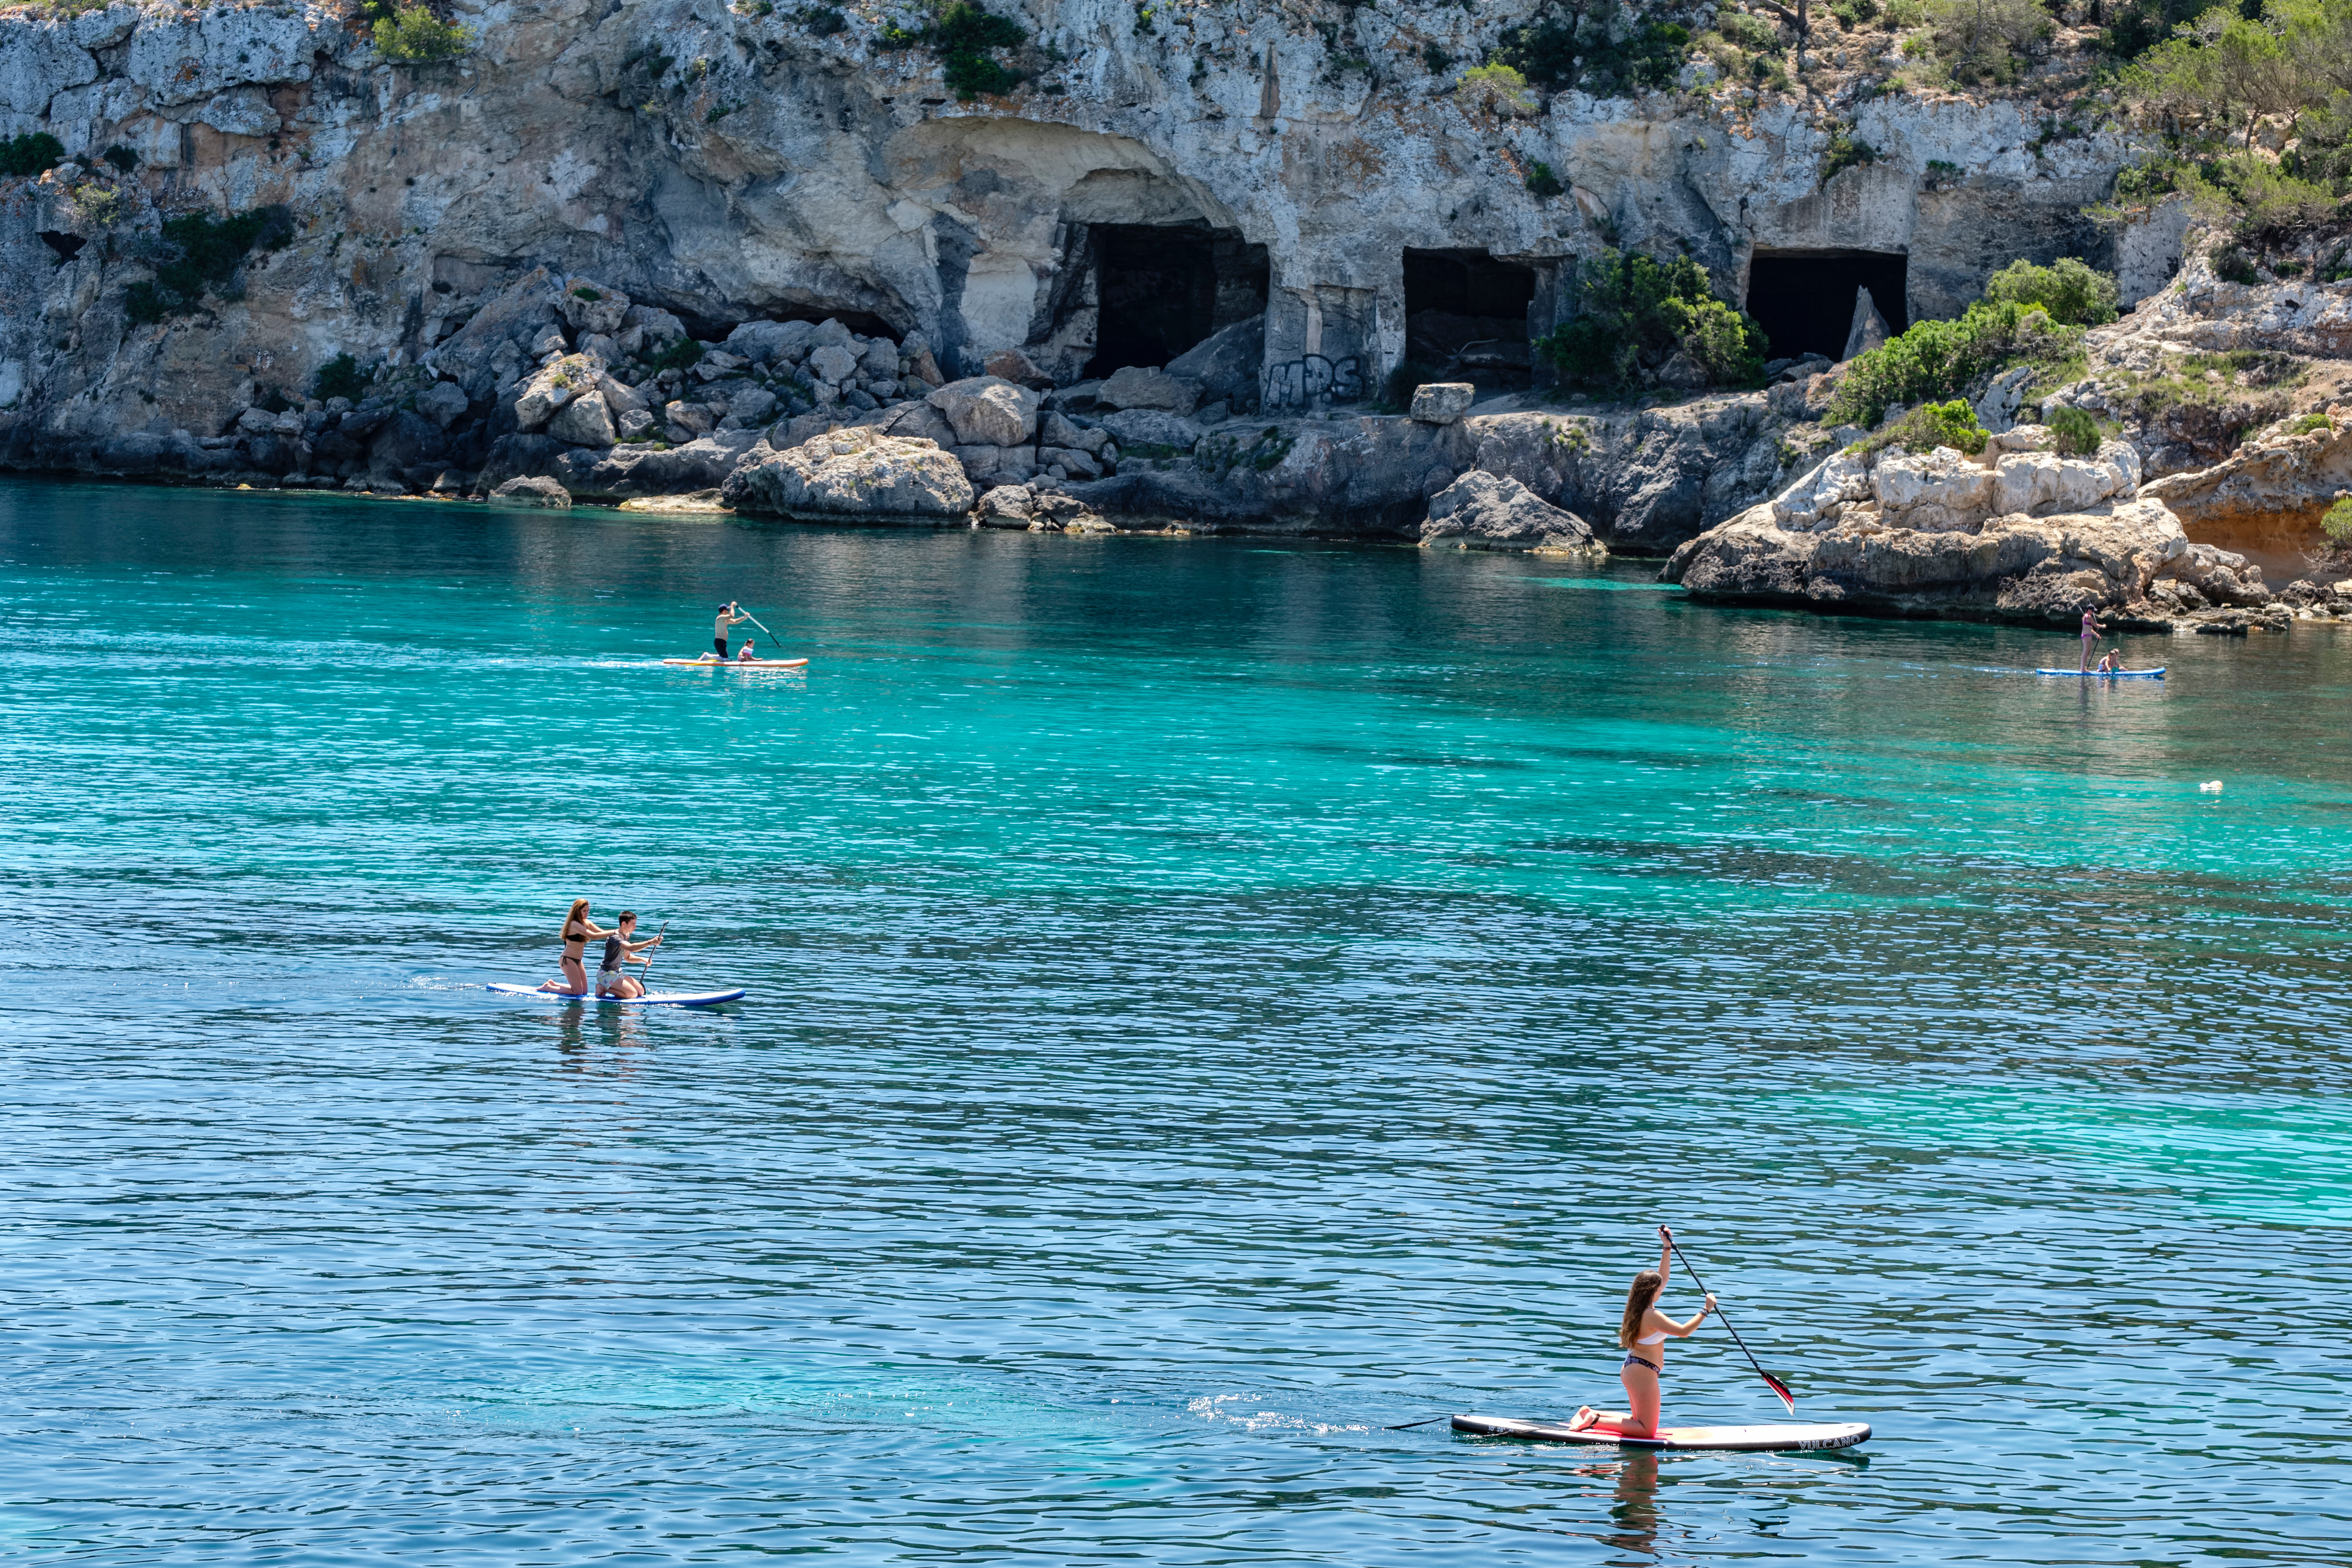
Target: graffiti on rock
1312, 382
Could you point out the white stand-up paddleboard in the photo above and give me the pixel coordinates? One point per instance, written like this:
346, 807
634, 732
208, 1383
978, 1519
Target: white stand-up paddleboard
2156, 674
1772, 1437
736, 663
650, 999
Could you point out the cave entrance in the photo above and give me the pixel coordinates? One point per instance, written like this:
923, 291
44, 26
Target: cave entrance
1465, 318
1804, 299
1163, 288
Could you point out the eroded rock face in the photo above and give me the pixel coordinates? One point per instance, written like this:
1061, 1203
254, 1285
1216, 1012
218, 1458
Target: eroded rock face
783, 172
855, 474
1487, 512
1898, 533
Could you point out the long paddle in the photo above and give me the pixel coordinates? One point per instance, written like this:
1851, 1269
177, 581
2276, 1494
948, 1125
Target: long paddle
646, 990
1774, 1383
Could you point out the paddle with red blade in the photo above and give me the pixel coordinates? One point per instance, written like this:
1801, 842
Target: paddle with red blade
1774, 1383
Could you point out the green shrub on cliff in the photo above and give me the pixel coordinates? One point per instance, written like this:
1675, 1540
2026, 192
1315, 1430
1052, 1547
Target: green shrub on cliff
1635, 314
35, 152
1591, 45
2069, 290
2338, 524
1937, 361
2077, 432
197, 252
416, 34
965, 39
339, 377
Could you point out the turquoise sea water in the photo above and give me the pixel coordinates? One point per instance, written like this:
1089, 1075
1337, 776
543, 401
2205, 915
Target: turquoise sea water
1207, 1001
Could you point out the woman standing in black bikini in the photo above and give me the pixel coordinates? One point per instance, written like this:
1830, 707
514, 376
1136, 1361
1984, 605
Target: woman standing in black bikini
577, 929
1643, 1334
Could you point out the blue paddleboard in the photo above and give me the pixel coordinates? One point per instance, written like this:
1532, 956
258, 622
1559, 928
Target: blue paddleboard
650, 999
2156, 674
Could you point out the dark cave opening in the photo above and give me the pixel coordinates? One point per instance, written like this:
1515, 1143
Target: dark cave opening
1163, 288
1804, 299
1466, 318
66, 246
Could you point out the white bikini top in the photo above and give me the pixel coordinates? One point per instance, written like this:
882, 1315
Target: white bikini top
1657, 1339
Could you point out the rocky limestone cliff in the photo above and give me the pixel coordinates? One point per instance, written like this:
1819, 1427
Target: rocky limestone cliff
1271, 186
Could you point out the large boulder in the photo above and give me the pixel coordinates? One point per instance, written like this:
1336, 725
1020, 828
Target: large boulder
584, 421
767, 341
532, 490
1487, 512
1225, 365
855, 474
551, 386
624, 472
1138, 386
1442, 402
989, 411
1150, 433
444, 402
914, 419
593, 308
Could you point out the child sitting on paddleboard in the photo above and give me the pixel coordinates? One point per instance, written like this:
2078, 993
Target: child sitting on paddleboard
745, 655
1643, 1334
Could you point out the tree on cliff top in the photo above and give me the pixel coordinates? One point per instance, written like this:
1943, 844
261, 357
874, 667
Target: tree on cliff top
1590, 44
1636, 315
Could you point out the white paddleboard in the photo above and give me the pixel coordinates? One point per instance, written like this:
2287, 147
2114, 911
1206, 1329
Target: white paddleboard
650, 999
736, 663
1772, 1437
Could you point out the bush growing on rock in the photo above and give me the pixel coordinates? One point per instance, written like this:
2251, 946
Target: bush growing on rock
965, 39
2077, 432
198, 251
1936, 361
2337, 525
1637, 315
1985, 40
1496, 88
2069, 291
415, 34
1592, 45
1934, 425
339, 377
35, 152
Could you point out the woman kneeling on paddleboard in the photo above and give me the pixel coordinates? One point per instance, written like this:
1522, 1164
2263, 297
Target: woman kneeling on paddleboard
1643, 1335
577, 929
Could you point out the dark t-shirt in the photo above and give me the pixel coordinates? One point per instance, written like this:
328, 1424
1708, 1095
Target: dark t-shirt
611, 952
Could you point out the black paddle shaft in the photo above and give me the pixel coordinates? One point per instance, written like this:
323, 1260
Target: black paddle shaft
1776, 1386
648, 968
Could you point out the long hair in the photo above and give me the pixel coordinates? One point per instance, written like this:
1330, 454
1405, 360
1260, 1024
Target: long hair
579, 909
1646, 1286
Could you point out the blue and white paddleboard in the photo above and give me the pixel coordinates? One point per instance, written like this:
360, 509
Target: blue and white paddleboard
650, 999
1774, 1437
2156, 674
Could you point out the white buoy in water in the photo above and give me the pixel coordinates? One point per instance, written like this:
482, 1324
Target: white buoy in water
2212, 787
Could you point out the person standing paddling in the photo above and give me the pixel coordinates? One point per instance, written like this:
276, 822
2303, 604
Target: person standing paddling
1643, 1334
2091, 635
728, 621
